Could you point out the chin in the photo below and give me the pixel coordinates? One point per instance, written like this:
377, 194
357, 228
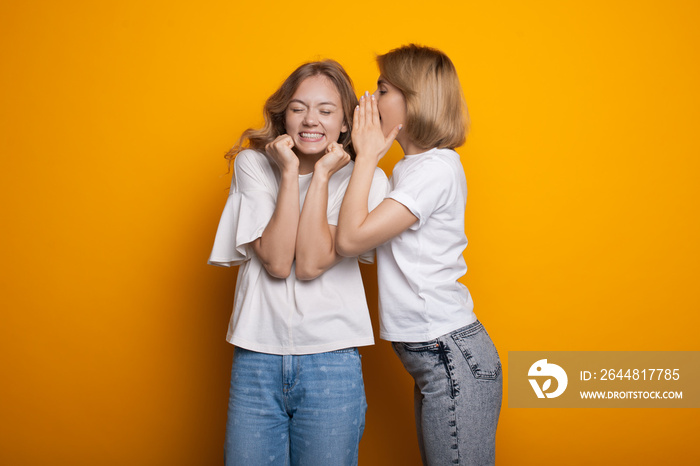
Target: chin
310, 151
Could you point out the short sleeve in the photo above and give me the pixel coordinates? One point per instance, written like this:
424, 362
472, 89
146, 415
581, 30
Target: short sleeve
424, 189
377, 193
248, 209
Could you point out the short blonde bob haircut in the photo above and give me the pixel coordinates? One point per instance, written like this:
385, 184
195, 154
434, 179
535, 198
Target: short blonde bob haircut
275, 107
436, 114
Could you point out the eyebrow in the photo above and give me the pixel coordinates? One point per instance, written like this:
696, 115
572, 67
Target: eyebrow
380, 82
306, 105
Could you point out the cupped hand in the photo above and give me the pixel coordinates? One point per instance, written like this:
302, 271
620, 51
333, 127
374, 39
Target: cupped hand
333, 160
367, 136
281, 152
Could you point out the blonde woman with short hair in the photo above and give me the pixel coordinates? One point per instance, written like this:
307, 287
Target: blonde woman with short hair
418, 231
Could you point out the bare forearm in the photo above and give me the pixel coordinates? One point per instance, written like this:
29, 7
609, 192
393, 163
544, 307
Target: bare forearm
276, 247
358, 230
315, 245
351, 237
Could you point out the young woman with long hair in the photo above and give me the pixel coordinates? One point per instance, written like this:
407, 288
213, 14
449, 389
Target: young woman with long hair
297, 394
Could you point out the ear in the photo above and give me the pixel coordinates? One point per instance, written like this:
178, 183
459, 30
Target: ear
344, 128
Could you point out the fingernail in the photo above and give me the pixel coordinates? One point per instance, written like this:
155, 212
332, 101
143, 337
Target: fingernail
357, 107
362, 98
400, 127
372, 96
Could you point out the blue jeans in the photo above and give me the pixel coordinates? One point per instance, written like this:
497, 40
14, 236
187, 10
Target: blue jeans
458, 389
295, 410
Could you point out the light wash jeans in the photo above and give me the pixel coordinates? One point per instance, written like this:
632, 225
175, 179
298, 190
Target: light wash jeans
458, 389
295, 410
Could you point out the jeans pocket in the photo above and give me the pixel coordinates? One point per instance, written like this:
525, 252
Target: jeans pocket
419, 346
479, 351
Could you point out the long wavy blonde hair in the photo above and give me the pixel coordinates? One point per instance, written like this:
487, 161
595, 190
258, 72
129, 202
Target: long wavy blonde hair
276, 107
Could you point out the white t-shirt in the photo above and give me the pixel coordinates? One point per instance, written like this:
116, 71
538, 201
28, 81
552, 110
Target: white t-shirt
420, 297
289, 316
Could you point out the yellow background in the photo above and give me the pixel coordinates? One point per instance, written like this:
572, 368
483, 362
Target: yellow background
583, 217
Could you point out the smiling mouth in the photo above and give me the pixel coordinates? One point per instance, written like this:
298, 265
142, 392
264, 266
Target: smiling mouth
307, 136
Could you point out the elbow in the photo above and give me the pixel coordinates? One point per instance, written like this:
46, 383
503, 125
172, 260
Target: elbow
306, 272
278, 270
344, 247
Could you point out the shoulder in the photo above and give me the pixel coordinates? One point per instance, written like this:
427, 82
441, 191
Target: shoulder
254, 171
249, 156
443, 165
435, 163
252, 161
441, 159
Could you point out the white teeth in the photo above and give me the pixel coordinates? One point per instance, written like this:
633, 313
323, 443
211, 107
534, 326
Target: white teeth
311, 135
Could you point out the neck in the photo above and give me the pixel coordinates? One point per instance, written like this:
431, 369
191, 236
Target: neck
307, 162
409, 147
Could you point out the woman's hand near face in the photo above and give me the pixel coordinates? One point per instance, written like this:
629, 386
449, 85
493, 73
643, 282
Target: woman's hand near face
333, 160
359, 230
276, 246
367, 135
281, 152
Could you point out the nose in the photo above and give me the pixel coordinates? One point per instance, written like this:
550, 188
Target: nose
309, 119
